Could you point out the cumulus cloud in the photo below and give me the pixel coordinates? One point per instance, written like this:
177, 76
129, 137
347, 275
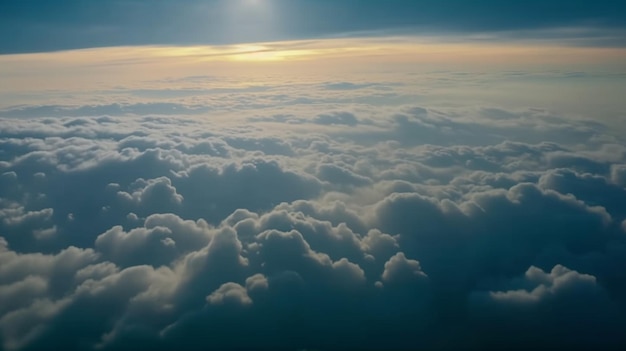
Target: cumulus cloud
399, 270
421, 228
545, 307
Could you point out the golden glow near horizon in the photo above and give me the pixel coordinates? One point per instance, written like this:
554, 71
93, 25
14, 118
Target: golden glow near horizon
121, 65
408, 50
111, 74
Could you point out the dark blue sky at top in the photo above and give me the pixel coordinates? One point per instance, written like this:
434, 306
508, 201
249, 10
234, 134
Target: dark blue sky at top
44, 25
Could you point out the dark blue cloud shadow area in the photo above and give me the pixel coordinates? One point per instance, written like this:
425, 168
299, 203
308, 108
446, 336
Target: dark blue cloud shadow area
32, 26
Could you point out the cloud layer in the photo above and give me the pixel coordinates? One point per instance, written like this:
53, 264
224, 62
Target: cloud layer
420, 228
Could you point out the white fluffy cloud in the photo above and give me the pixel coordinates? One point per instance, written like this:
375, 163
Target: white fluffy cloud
418, 228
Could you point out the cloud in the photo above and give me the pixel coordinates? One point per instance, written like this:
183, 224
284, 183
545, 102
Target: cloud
229, 293
541, 300
618, 175
154, 195
346, 86
336, 118
420, 227
140, 109
400, 270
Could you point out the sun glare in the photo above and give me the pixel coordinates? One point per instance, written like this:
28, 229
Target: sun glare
249, 20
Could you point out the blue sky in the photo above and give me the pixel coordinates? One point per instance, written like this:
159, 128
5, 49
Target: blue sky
32, 26
312, 175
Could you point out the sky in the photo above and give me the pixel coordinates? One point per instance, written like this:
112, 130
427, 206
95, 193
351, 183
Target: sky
312, 175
